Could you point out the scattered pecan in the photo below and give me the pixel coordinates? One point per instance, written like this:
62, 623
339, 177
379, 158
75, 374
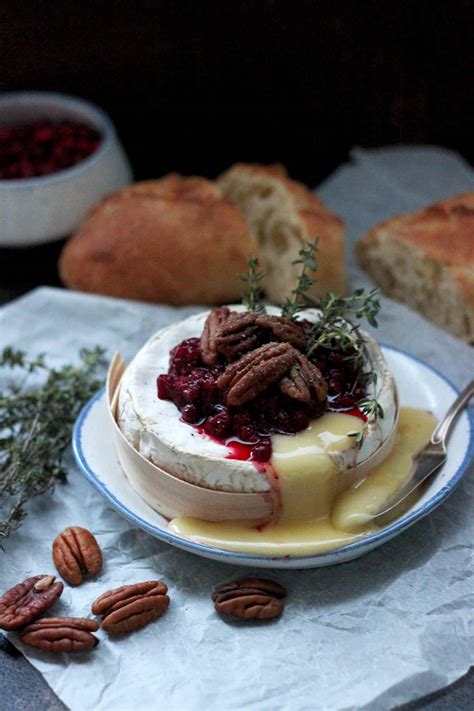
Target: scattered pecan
250, 599
209, 351
237, 335
130, 607
75, 553
284, 329
256, 371
28, 600
304, 377
61, 634
463, 210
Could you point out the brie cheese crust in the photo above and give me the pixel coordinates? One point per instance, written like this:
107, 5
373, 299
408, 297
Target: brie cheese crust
154, 427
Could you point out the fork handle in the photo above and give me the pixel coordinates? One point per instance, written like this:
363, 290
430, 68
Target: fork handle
443, 429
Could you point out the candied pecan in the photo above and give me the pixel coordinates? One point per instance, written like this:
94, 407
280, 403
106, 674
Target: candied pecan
250, 599
256, 371
237, 335
76, 552
284, 329
295, 386
28, 600
130, 607
61, 634
209, 352
304, 377
463, 210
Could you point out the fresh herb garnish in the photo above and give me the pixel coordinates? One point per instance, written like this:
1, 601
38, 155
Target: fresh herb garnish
337, 329
300, 298
371, 409
253, 279
35, 427
336, 326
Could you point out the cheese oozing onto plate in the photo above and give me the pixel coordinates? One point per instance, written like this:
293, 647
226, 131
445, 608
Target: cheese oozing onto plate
154, 427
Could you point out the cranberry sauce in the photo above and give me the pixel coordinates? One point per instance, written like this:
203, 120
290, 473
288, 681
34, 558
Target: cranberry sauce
247, 429
44, 147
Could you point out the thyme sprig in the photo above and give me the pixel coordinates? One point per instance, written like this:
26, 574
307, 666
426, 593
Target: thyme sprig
35, 427
359, 305
253, 279
337, 327
300, 297
372, 409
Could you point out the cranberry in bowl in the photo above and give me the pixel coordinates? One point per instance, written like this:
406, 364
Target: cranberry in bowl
58, 156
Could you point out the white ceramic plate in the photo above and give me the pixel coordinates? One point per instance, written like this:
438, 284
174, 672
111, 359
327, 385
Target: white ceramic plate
419, 385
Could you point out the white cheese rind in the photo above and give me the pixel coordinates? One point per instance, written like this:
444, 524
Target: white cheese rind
154, 427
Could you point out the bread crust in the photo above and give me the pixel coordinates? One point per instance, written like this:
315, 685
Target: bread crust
440, 240
180, 240
303, 218
174, 240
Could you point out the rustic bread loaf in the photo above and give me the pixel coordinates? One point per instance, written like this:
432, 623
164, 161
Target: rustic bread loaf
426, 260
174, 240
283, 214
185, 240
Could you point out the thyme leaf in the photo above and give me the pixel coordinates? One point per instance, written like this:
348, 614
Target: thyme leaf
252, 279
371, 408
337, 326
35, 427
300, 297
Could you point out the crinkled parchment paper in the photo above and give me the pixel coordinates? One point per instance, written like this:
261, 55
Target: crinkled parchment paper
384, 629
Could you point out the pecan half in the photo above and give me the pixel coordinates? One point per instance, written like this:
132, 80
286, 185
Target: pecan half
250, 599
61, 634
256, 371
209, 351
237, 335
75, 553
28, 600
130, 607
284, 329
304, 377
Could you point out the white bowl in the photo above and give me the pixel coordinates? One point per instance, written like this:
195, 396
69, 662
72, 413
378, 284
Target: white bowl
35, 210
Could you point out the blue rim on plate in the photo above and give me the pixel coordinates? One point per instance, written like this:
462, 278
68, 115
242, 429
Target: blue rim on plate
385, 534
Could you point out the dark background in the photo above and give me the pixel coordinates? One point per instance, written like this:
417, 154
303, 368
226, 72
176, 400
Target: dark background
195, 86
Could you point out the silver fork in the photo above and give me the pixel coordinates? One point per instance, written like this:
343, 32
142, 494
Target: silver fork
434, 455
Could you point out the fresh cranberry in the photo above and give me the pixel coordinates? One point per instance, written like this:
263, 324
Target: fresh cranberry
336, 386
219, 425
40, 148
185, 357
246, 433
298, 421
345, 402
335, 358
192, 386
43, 133
190, 414
262, 451
164, 386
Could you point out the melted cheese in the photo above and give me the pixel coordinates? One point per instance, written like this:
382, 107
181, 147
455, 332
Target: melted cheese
308, 478
154, 427
356, 507
316, 530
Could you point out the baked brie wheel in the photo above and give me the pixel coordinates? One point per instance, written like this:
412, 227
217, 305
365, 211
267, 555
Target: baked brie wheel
263, 372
